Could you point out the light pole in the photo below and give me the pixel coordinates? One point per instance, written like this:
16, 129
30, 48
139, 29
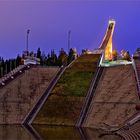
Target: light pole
69, 40
27, 41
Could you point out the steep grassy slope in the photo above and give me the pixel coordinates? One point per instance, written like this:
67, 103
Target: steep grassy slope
20, 95
66, 100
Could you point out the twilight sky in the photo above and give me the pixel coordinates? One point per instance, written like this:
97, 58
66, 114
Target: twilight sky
50, 20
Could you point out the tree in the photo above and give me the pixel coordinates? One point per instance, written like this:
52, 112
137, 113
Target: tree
48, 60
84, 51
18, 60
62, 58
2, 63
127, 56
43, 58
114, 55
38, 53
70, 56
53, 58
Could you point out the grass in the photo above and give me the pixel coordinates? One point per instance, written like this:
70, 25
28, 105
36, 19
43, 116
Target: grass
73, 84
76, 79
66, 99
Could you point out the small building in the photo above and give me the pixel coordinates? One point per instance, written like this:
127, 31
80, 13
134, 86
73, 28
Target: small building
30, 58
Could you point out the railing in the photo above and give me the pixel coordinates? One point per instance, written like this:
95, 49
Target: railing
90, 94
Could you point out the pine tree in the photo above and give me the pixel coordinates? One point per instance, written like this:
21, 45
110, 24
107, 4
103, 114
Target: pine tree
62, 58
18, 60
48, 60
127, 56
70, 56
53, 58
38, 53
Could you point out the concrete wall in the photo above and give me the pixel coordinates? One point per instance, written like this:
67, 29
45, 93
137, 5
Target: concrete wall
19, 96
115, 98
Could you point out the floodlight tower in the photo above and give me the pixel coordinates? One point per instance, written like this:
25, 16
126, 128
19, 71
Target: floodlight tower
27, 41
69, 40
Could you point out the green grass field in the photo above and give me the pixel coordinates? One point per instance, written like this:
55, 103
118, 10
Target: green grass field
67, 98
75, 81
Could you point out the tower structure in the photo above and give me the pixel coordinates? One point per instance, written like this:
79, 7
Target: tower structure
106, 44
108, 48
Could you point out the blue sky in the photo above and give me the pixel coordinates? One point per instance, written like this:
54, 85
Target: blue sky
50, 20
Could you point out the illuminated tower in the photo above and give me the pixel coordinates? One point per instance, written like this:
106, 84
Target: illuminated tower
107, 43
108, 48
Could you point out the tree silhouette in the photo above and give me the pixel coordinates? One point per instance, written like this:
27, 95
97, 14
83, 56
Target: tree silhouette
62, 58
127, 56
39, 55
18, 60
70, 56
53, 58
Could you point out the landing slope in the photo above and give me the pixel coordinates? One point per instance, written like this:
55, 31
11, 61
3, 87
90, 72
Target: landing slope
19, 96
115, 98
66, 99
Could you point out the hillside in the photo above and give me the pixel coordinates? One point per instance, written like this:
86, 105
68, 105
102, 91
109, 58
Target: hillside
66, 99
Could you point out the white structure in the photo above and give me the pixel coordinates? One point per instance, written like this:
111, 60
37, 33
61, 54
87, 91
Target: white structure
30, 58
